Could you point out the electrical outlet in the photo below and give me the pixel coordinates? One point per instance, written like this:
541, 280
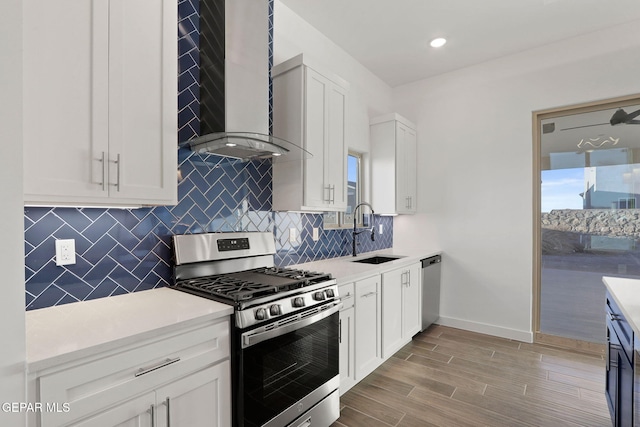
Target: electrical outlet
65, 251
293, 233
316, 234
380, 228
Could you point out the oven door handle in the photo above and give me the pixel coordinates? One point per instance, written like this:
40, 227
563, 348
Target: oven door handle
257, 336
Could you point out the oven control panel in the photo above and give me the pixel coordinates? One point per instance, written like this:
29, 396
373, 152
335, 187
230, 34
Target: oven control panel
232, 244
285, 305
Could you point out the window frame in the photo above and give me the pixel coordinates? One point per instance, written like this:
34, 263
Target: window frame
337, 220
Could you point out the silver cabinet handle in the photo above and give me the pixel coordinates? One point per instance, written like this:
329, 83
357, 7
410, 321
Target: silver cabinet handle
328, 189
117, 162
333, 194
347, 296
406, 278
166, 362
368, 294
167, 403
104, 165
152, 411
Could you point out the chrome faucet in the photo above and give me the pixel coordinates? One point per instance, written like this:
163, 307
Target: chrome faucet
355, 219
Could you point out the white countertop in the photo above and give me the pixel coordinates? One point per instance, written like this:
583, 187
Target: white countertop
626, 293
61, 333
345, 270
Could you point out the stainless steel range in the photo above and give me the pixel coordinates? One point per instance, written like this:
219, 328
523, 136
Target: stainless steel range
285, 334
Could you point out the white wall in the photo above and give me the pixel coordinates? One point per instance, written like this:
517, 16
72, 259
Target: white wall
475, 166
12, 332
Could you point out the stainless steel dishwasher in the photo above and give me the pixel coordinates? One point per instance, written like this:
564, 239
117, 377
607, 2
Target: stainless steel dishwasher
430, 290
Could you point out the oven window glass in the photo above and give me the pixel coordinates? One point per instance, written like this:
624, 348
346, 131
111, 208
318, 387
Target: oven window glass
279, 372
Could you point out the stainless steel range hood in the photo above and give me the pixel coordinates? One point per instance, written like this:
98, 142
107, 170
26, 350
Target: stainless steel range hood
244, 145
234, 83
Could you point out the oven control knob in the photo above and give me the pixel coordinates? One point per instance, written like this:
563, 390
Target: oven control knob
275, 310
318, 296
330, 293
298, 302
261, 314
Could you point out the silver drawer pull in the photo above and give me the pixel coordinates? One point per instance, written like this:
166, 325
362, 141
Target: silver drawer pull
369, 294
614, 316
166, 362
347, 296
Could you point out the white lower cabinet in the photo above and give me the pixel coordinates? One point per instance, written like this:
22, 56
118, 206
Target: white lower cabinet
401, 318
347, 338
202, 398
134, 413
367, 328
182, 378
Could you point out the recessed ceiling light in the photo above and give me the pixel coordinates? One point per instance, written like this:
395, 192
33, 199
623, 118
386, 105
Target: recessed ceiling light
438, 42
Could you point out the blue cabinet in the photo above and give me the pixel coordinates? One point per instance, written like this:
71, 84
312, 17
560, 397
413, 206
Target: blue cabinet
620, 366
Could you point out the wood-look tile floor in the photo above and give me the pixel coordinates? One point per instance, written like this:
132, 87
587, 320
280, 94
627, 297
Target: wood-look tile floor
450, 377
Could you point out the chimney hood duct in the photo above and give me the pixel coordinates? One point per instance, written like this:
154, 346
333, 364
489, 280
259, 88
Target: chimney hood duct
234, 83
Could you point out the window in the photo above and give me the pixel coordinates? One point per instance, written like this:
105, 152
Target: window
354, 190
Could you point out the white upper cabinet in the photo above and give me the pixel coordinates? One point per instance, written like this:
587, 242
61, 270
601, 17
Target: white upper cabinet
393, 165
309, 110
100, 102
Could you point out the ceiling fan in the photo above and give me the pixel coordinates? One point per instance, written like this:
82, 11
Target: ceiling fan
622, 117
619, 117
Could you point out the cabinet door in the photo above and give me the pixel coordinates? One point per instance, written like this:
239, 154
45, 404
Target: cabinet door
624, 412
65, 99
368, 324
411, 302
317, 191
393, 283
347, 350
143, 100
202, 398
336, 160
405, 169
136, 412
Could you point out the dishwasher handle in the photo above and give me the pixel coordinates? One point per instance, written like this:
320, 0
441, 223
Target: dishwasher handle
431, 261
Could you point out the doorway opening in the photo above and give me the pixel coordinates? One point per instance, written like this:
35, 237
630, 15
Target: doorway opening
586, 224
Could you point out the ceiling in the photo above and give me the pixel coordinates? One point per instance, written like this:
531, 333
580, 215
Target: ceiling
391, 38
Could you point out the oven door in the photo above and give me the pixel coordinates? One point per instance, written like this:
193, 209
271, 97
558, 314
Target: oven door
287, 367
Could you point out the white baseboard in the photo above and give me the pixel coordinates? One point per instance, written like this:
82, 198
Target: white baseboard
483, 328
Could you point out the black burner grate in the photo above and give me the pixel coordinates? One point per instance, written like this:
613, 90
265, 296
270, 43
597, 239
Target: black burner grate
251, 284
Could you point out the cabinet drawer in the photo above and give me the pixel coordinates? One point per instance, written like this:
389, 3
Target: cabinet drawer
346, 293
94, 384
621, 326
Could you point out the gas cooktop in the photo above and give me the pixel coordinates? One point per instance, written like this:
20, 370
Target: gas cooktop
249, 285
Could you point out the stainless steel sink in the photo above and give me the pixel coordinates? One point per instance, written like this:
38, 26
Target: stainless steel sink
378, 259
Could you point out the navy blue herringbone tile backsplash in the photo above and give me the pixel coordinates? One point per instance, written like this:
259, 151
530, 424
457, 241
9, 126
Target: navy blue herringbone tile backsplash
127, 250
